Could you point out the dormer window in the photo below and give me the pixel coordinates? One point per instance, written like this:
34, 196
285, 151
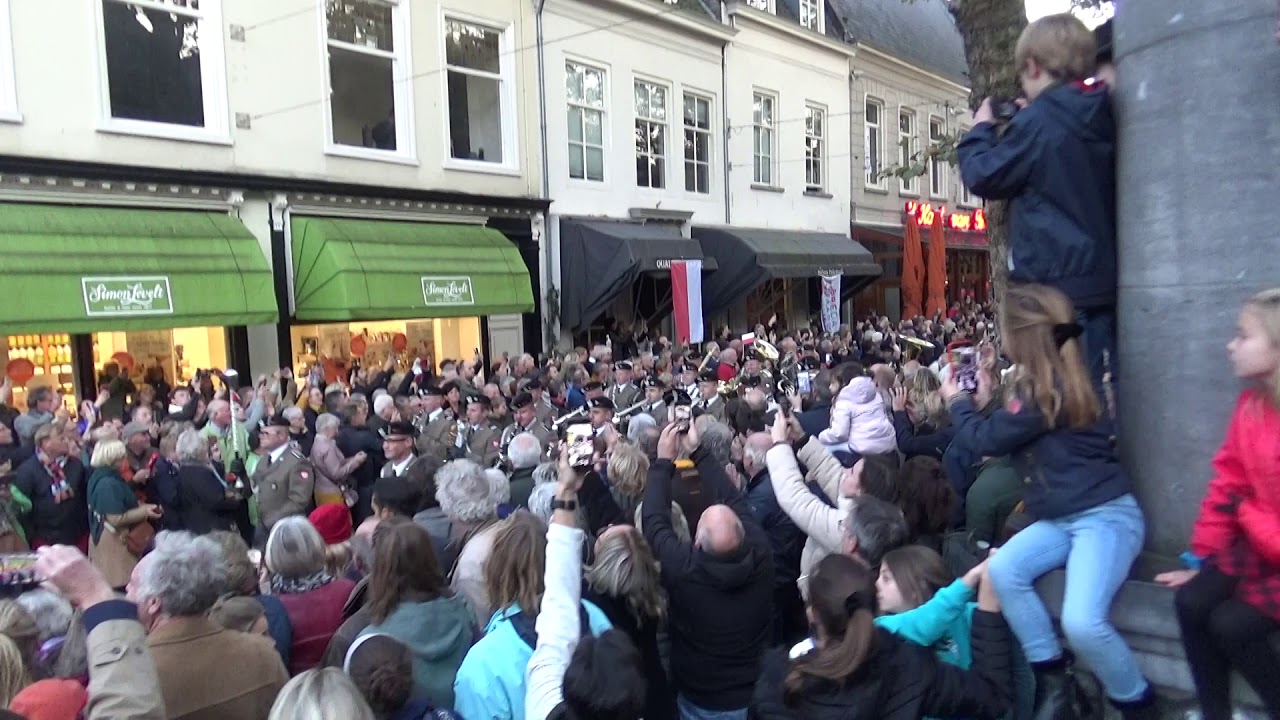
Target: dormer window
811, 14
765, 5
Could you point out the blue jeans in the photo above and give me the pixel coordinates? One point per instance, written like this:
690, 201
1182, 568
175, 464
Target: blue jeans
689, 711
1097, 546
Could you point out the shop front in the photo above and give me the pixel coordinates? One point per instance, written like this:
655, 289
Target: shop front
765, 273
967, 253
159, 293
615, 274
366, 289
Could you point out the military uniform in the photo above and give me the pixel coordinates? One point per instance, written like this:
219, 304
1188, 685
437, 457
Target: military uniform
546, 412
713, 407
284, 486
657, 411
540, 431
624, 396
434, 438
482, 444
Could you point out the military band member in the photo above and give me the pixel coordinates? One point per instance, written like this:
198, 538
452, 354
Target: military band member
593, 390
525, 414
653, 394
601, 413
542, 407
283, 480
478, 440
708, 399
623, 392
437, 432
398, 446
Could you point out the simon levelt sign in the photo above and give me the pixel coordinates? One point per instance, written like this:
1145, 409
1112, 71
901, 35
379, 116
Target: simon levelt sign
126, 295
447, 290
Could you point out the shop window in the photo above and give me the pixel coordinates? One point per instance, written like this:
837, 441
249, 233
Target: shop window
480, 101
651, 135
50, 365
163, 69
329, 350
176, 354
585, 94
697, 143
369, 100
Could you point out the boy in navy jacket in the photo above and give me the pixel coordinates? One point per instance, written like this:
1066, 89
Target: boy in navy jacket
1055, 164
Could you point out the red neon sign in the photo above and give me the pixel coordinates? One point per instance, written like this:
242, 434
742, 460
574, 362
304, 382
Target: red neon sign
924, 213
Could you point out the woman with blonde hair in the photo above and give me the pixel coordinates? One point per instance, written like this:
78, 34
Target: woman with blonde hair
13, 672
920, 417
624, 582
319, 694
116, 518
1054, 430
18, 625
491, 681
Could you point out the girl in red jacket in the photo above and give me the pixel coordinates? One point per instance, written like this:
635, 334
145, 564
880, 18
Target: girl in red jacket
1229, 608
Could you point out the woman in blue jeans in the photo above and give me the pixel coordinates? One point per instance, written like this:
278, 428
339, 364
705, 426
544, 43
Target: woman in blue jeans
1058, 438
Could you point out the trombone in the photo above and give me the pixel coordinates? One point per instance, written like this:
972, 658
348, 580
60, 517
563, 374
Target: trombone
579, 414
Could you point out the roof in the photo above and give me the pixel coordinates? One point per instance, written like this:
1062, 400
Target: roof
920, 32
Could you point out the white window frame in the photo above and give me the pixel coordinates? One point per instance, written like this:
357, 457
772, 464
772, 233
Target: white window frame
966, 196
815, 149
213, 79
510, 164
772, 130
406, 152
908, 146
665, 124
8, 77
768, 6
937, 172
604, 125
818, 14
709, 132
872, 174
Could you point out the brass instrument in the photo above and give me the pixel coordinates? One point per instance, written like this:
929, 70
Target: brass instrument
507, 436
625, 413
579, 414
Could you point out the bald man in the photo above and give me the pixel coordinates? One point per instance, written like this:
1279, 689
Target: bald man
720, 587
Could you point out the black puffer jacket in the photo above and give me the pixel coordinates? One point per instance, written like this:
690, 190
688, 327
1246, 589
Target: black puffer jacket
900, 681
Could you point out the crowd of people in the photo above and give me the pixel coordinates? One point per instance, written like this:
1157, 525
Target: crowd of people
781, 524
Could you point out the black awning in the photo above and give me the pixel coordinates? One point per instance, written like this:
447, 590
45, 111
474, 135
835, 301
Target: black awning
600, 259
749, 256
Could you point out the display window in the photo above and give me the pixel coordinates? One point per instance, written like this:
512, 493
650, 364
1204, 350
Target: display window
334, 348
36, 361
176, 354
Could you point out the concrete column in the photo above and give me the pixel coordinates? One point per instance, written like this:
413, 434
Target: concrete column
1198, 99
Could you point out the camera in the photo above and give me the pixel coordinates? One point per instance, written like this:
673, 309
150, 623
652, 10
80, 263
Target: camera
1004, 108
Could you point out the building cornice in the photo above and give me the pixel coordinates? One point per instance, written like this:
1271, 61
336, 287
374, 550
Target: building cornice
743, 12
871, 52
670, 15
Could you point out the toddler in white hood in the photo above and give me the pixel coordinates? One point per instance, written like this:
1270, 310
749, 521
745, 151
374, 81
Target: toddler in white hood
859, 421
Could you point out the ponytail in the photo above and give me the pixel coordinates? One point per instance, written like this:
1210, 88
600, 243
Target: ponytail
843, 654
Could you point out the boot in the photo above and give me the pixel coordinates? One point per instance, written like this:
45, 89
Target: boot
1057, 697
1147, 707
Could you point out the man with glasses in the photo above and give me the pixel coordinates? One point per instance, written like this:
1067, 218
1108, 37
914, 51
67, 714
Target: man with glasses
283, 480
402, 462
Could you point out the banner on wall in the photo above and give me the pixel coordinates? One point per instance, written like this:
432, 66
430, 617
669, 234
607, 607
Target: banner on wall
686, 296
830, 303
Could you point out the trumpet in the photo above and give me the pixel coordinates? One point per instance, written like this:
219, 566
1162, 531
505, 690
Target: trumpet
507, 436
579, 414
625, 413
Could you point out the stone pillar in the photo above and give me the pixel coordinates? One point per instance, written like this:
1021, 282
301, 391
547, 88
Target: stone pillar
1198, 100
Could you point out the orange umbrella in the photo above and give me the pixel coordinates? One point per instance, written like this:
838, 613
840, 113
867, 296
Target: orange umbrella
912, 270
937, 302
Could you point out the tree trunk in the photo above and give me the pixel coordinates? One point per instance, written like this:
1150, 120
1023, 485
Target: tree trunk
990, 30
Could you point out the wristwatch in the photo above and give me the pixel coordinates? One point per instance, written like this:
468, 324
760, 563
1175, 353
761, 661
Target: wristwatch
569, 505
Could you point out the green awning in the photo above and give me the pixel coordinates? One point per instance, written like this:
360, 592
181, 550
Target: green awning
390, 270
72, 269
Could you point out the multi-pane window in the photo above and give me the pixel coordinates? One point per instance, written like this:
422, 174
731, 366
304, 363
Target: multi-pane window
585, 92
697, 143
908, 147
815, 148
478, 79
163, 62
651, 135
762, 138
937, 170
811, 14
364, 62
766, 5
874, 143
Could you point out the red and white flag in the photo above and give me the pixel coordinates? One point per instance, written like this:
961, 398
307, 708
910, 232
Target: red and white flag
686, 295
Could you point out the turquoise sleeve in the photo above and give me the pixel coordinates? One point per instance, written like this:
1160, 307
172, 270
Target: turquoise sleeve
930, 622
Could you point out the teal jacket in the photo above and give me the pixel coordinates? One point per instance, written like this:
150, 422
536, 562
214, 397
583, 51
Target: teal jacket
438, 634
491, 682
944, 623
